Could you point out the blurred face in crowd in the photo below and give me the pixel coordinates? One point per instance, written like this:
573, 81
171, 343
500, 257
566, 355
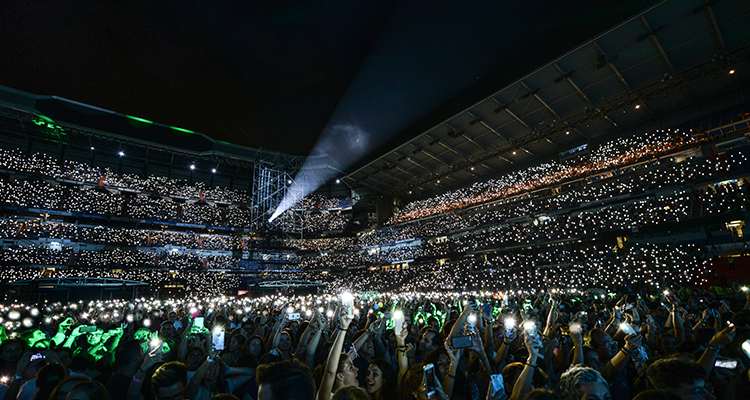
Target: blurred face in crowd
441, 366
194, 359
94, 337
255, 347
374, 379
607, 347
591, 358
427, 343
236, 343
594, 391
166, 330
285, 342
668, 344
194, 341
12, 352
348, 373
172, 317
212, 373
294, 327
368, 349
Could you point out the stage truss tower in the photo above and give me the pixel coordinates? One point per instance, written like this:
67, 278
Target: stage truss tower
270, 184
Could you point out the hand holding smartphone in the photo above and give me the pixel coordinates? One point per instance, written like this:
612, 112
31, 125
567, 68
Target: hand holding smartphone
217, 339
430, 380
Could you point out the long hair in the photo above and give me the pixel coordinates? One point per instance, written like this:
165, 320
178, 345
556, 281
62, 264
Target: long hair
413, 380
390, 380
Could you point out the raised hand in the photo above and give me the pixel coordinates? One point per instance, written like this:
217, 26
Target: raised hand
633, 341
724, 337
152, 358
533, 345
345, 318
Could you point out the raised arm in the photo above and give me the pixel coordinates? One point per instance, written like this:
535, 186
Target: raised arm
459, 325
332, 363
312, 347
577, 347
523, 383
450, 377
134, 390
714, 345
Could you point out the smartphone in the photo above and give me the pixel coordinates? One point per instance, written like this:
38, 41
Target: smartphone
218, 339
155, 344
293, 316
746, 347
347, 300
88, 328
626, 328
730, 364
398, 322
37, 356
198, 324
529, 327
498, 385
471, 320
461, 342
510, 325
429, 379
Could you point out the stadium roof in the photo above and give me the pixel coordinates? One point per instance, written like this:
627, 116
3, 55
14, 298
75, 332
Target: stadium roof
91, 120
271, 74
673, 63
671, 60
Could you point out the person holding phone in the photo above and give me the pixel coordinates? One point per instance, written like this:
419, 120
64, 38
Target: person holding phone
339, 369
420, 383
523, 384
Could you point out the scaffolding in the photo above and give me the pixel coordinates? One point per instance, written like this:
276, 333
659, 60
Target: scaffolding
271, 183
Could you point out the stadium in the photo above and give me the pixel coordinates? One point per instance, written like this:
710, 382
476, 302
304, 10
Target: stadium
606, 176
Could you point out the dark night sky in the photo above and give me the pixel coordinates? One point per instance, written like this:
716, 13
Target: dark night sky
273, 74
